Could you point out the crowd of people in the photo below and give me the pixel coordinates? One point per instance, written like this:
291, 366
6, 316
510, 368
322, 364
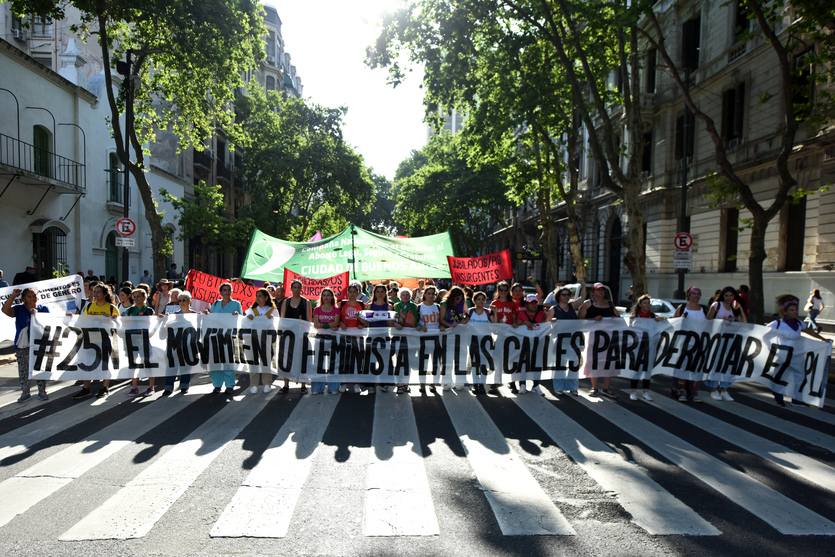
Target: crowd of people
424, 308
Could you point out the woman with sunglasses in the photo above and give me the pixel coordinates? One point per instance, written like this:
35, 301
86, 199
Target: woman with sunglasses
162, 296
597, 308
565, 308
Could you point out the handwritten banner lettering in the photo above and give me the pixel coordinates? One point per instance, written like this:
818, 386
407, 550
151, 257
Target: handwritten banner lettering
485, 269
312, 288
206, 288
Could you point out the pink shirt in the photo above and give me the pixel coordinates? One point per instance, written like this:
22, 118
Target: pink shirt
326, 317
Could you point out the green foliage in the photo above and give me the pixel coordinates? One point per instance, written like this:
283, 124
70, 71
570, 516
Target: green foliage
298, 169
201, 217
437, 190
379, 215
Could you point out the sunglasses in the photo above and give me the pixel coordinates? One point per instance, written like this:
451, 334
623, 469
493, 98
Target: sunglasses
502, 289
181, 300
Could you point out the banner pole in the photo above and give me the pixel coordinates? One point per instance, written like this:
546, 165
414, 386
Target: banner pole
353, 252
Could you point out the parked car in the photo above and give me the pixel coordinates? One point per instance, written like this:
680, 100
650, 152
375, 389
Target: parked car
665, 307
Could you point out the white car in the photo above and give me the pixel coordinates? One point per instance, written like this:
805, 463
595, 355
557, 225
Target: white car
664, 307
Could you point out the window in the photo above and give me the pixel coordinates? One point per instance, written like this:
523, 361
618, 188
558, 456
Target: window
114, 179
802, 86
792, 235
50, 252
41, 154
271, 47
41, 27
270, 83
43, 59
652, 57
690, 43
728, 239
733, 115
741, 22
691, 135
646, 158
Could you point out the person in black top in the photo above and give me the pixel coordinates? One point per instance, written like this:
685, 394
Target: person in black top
597, 308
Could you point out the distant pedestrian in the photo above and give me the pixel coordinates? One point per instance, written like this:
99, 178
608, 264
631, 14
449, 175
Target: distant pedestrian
3, 283
25, 277
172, 272
814, 307
22, 314
146, 277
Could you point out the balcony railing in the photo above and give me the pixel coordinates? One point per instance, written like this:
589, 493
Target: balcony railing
26, 157
239, 182
224, 172
203, 158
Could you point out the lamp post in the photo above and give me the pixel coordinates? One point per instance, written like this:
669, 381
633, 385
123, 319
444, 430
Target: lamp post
124, 68
684, 226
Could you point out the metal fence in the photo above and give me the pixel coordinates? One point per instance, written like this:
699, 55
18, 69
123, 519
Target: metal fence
23, 156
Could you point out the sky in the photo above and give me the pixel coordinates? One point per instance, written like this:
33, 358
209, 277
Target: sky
326, 40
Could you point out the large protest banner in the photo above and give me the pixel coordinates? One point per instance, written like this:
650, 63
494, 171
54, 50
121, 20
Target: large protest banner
89, 347
312, 288
60, 295
485, 269
363, 254
206, 288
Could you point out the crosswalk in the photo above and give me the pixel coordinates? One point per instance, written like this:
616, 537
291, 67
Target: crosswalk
409, 466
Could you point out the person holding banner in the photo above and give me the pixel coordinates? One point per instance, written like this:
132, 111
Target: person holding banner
101, 303
263, 307
430, 320
139, 309
351, 318
642, 310
597, 308
125, 301
278, 296
379, 303
530, 317
325, 316
506, 309
683, 389
566, 308
295, 307
184, 302
727, 308
453, 313
480, 314
22, 315
225, 305
407, 316
791, 325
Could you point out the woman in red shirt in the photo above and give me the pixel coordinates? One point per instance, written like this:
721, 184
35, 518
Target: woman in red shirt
506, 310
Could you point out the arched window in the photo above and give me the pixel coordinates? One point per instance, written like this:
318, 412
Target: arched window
114, 179
50, 252
41, 155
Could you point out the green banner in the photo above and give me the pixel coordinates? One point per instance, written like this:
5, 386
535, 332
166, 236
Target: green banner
365, 255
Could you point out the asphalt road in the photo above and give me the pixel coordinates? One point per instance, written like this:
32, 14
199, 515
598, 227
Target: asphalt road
445, 474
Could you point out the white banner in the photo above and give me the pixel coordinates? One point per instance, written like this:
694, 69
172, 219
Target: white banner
89, 347
60, 295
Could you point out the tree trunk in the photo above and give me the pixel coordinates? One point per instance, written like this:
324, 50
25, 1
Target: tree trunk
574, 244
634, 241
549, 244
756, 258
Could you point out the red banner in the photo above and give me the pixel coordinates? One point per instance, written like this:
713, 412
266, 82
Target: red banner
312, 288
206, 287
488, 268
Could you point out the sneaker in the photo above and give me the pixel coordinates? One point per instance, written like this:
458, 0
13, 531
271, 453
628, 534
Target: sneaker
184, 391
647, 397
523, 388
267, 388
780, 403
384, 388
633, 396
794, 403
456, 387
253, 390
494, 390
83, 393
166, 392
432, 389
334, 390
216, 390
42, 395
357, 389
229, 390
575, 393
727, 396
716, 395
696, 399
343, 388
682, 398
422, 389
134, 392
25, 397
103, 392
148, 392
316, 392
446, 387
372, 390
538, 390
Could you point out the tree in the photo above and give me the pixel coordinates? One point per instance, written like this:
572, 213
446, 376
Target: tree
379, 216
807, 37
589, 43
200, 217
188, 56
298, 168
437, 190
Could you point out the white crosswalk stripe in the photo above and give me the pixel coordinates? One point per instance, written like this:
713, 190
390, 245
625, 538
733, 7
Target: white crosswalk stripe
782, 513
520, 505
134, 509
814, 413
263, 506
392, 489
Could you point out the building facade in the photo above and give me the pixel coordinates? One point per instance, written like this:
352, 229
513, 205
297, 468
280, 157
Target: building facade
729, 75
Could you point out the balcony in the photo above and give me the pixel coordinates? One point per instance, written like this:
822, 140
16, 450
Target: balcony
239, 182
224, 172
40, 167
203, 158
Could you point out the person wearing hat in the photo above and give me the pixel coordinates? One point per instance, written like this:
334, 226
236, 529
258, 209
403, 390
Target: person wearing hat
161, 298
598, 307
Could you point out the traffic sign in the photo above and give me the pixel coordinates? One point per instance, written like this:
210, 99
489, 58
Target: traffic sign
125, 227
125, 242
683, 241
683, 260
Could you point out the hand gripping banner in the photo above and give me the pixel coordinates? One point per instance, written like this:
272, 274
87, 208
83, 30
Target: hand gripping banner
91, 347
